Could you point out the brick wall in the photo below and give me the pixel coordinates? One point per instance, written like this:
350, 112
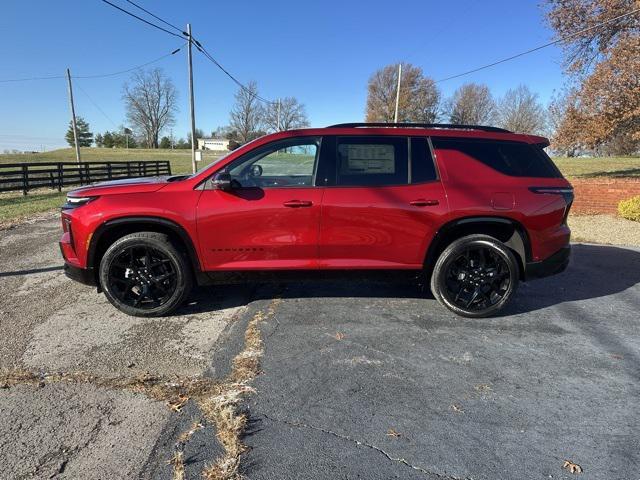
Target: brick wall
601, 195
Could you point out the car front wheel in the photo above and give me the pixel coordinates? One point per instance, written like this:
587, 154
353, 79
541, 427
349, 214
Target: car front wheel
143, 274
475, 276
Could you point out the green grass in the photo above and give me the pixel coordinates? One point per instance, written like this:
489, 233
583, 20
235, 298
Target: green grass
180, 159
14, 205
611, 167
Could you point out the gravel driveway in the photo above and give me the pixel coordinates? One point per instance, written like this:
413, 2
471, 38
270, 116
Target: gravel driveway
359, 379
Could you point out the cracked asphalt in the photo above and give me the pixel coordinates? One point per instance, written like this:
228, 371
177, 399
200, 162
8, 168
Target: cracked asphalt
360, 380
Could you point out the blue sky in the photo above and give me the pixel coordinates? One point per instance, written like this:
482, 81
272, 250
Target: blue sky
321, 52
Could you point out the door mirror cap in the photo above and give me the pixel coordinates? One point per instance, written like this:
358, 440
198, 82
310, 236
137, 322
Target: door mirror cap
221, 181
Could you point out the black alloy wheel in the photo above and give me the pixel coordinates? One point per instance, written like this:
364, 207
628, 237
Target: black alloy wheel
143, 274
475, 276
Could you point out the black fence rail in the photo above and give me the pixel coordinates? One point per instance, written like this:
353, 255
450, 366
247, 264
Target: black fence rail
29, 176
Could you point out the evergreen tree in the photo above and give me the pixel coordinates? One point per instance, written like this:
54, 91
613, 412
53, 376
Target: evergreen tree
85, 137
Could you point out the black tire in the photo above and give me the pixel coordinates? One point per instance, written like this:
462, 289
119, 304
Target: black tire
144, 275
475, 276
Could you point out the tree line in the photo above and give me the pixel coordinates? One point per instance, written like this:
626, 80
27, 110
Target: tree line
420, 101
150, 99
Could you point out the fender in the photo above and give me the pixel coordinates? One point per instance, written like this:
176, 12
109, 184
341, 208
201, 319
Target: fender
518, 240
145, 220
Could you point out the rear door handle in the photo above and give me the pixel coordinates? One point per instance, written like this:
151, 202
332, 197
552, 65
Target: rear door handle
422, 202
298, 203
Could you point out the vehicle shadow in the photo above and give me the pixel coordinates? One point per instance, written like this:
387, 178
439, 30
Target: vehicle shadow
595, 271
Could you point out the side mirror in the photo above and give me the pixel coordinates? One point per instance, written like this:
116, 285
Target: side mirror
221, 181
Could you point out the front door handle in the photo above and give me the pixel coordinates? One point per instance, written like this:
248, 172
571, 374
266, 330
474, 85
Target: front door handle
298, 203
422, 202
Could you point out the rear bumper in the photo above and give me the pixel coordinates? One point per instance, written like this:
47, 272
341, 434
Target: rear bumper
556, 263
82, 275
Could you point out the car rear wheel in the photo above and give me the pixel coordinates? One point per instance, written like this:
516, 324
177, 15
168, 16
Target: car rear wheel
475, 276
143, 274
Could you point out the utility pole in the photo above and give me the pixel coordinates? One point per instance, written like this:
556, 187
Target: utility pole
193, 114
73, 117
278, 114
395, 117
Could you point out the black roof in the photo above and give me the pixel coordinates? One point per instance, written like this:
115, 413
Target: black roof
483, 128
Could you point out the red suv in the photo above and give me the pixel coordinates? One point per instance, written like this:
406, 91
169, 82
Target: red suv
476, 209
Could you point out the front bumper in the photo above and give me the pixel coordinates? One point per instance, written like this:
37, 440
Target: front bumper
556, 263
82, 275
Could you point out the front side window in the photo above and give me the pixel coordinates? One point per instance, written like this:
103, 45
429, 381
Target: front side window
286, 163
371, 161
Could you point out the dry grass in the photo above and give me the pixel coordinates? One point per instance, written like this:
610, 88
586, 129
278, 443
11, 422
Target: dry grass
175, 391
223, 409
218, 401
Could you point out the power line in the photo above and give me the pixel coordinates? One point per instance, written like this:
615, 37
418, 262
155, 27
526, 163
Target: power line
113, 74
198, 45
559, 40
204, 51
96, 105
141, 19
157, 18
132, 68
27, 79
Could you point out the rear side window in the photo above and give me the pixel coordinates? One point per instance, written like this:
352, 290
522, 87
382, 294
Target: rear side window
510, 158
371, 161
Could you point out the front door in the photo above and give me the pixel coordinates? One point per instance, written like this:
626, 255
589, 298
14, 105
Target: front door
382, 205
270, 218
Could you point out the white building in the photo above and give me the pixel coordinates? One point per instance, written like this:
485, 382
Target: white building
215, 144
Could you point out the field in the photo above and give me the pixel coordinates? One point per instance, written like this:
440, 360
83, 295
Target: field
14, 205
180, 159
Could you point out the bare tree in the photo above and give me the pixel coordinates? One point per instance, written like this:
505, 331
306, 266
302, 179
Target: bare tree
151, 102
471, 104
246, 118
292, 115
419, 97
521, 112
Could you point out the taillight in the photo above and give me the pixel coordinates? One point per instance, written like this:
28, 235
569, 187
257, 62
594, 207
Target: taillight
66, 227
566, 192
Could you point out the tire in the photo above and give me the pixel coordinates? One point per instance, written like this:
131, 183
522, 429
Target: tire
475, 276
143, 274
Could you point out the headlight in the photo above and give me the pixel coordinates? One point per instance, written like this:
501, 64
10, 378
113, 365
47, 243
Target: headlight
75, 202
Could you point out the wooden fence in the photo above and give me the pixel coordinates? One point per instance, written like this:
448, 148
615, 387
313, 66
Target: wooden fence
28, 176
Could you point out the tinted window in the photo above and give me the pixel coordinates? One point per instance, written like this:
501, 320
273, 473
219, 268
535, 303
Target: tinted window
287, 163
511, 158
371, 161
422, 167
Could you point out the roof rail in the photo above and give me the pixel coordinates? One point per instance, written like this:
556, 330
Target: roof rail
483, 128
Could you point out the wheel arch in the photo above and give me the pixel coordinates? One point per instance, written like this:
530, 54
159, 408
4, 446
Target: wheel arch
113, 229
509, 231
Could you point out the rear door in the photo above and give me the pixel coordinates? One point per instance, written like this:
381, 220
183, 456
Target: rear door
382, 204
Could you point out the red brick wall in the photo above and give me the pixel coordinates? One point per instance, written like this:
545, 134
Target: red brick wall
601, 195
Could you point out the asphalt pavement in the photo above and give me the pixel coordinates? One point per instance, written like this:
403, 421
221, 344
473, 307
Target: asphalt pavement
359, 379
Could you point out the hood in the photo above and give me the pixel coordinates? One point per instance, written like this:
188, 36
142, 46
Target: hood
124, 185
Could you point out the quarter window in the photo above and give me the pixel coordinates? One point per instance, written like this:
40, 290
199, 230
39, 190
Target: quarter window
371, 161
422, 166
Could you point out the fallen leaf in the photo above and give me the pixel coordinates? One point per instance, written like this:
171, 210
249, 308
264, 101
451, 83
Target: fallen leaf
617, 356
457, 408
338, 335
483, 387
392, 433
177, 404
572, 467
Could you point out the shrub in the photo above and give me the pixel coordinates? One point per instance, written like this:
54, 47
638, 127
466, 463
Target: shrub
630, 209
